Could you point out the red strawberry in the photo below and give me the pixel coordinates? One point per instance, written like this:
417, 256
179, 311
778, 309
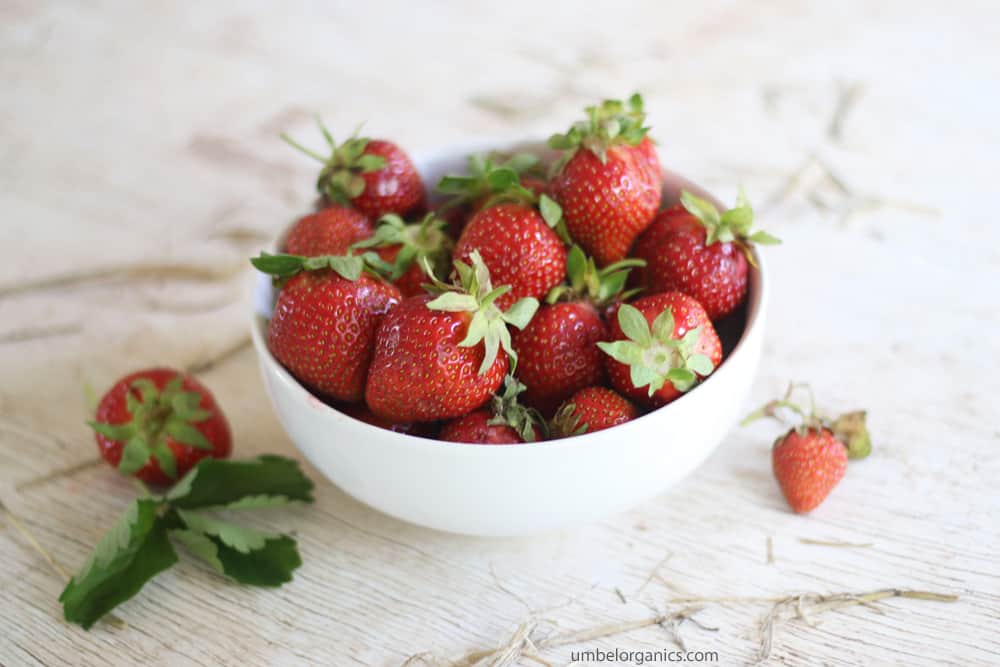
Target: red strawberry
591, 409
504, 422
608, 181
375, 176
807, 466
439, 358
663, 345
487, 175
323, 326
693, 249
518, 247
158, 423
810, 459
329, 231
557, 351
406, 247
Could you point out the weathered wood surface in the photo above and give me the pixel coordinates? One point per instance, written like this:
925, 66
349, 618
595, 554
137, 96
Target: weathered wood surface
140, 167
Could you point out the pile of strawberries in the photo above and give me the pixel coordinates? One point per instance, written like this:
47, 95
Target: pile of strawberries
530, 301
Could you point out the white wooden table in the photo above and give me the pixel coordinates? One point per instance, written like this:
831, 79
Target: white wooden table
139, 167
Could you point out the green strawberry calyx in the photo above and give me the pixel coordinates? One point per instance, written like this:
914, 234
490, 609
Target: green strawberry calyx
598, 286
475, 294
508, 411
487, 176
731, 226
566, 422
340, 180
613, 122
157, 415
425, 239
849, 428
350, 267
654, 356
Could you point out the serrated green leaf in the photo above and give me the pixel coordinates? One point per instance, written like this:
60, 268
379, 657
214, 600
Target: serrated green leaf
495, 294
502, 178
455, 185
134, 551
622, 351
454, 302
551, 212
279, 266
640, 376
476, 330
576, 264
258, 502
634, 325
135, 455
507, 346
201, 545
186, 434
271, 565
740, 219
521, 312
215, 482
241, 538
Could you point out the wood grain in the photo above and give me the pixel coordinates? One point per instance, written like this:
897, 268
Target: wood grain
140, 167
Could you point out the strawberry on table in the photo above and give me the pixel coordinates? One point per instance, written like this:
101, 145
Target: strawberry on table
694, 249
662, 346
557, 351
591, 409
329, 231
811, 458
323, 326
373, 175
609, 180
158, 423
504, 422
441, 357
406, 247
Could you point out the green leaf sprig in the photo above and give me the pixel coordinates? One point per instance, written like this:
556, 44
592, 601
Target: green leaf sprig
195, 514
598, 286
425, 239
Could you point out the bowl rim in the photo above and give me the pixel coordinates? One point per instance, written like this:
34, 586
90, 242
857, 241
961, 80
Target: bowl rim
756, 302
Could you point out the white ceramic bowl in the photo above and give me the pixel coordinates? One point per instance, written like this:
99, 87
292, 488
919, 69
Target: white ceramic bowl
519, 489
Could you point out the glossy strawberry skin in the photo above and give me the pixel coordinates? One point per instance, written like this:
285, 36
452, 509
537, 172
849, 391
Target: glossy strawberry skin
323, 330
558, 355
688, 314
395, 188
808, 466
519, 249
113, 409
678, 259
606, 206
474, 428
328, 231
599, 408
419, 373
